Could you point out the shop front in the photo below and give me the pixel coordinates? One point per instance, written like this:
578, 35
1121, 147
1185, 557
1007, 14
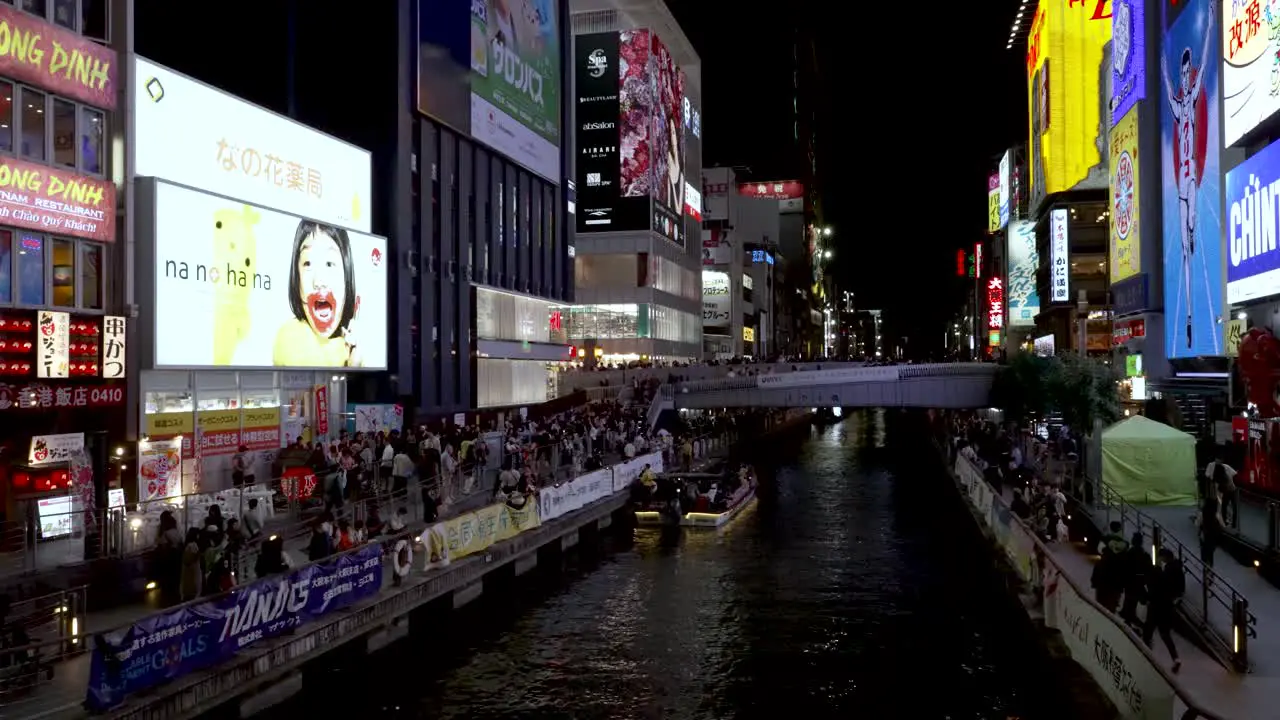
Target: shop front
213, 415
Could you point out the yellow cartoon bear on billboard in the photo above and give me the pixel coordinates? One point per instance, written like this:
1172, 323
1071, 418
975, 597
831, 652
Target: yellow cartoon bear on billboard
235, 258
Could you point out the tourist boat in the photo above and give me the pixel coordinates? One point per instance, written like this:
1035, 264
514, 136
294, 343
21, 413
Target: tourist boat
699, 499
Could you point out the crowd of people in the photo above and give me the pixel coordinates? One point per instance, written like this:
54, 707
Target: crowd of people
1124, 577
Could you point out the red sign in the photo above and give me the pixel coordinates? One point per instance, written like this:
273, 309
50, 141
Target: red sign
993, 182
38, 197
995, 303
784, 190
1127, 330
36, 52
322, 410
960, 264
43, 396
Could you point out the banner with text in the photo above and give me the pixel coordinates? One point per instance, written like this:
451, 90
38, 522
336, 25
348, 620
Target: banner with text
174, 643
555, 502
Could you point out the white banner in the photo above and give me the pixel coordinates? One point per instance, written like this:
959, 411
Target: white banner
560, 500
51, 449
626, 473
716, 300
53, 340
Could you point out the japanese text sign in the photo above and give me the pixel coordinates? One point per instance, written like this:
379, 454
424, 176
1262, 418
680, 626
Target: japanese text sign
1249, 47
159, 469
1253, 260
1059, 257
233, 148
113, 346
38, 197
53, 335
39, 396
52, 449
177, 642
995, 303
322, 410
56, 59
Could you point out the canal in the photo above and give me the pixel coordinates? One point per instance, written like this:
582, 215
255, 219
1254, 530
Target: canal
854, 588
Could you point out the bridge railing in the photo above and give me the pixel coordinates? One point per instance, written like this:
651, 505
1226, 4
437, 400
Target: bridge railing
844, 374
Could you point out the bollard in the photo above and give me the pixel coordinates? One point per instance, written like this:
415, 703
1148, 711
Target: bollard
1240, 633
1157, 541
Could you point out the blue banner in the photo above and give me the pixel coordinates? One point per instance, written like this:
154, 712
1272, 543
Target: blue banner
171, 644
1253, 188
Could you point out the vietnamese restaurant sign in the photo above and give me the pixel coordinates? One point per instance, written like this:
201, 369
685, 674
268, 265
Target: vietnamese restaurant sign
38, 197
50, 57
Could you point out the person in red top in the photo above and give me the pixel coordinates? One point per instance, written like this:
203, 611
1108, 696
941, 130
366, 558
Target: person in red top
343, 539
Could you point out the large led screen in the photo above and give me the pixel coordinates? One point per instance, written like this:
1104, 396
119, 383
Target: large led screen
1250, 76
1068, 98
491, 68
1128, 56
1190, 184
1253, 261
667, 145
240, 286
1023, 262
1126, 243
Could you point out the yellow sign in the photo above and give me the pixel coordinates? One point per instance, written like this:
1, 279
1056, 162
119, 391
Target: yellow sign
169, 424
749, 334
476, 531
993, 210
1068, 110
260, 417
1235, 330
219, 420
1126, 245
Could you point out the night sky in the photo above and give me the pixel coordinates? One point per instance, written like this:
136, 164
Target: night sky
915, 109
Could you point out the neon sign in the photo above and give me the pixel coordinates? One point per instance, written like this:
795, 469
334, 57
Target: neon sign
995, 303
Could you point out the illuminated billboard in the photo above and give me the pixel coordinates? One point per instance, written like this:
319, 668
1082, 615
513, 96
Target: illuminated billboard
1126, 246
717, 304
993, 202
630, 141
240, 286
1253, 267
1128, 56
1059, 257
1023, 261
232, 147
1006, 196
493, 72
1191, 206
1250, 77
1067, 97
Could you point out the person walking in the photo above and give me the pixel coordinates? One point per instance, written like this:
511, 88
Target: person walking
1163, 594
1210, 525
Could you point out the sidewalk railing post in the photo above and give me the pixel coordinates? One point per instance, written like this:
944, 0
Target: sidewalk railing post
1206, 579
1240, 632
1273, 526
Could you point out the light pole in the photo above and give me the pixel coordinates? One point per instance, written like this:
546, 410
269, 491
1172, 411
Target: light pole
1082, 313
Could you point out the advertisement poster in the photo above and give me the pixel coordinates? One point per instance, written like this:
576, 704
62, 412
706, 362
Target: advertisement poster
1059, 257
1126, 243
788, 193
993, 202
1191, 210
1020, 286
667, 147
1005, 196
636, 98
1128, 57
159, 469
493, 71
377, 418
716, 301
1253, 261
260, 428
601, 207
38, 197
54, 449
235, 148
322, 410
174, 643
475, 532
1250, 74
1067, 97
716, 247
57, 59
53, 337
247, 287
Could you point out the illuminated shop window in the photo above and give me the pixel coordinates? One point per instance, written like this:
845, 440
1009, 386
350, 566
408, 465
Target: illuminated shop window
167, 401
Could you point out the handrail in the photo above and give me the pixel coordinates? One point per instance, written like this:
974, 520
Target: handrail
1044, 554
1231, 646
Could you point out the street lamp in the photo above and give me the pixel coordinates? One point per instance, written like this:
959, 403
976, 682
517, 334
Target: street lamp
826, 254
826, 231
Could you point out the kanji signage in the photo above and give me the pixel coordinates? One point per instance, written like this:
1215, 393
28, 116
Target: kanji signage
41, 396
1060, 269
995, 303
113, 347
322, 410
53, 336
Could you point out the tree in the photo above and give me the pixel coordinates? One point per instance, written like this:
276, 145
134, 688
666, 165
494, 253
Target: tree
1081, 389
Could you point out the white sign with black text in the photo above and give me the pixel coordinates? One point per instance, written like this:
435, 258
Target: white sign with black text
53, 449
53, 340
113, 346
1059, 258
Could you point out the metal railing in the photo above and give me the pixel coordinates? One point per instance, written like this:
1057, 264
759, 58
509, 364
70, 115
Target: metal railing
38, 633
1044, 556
1219, 613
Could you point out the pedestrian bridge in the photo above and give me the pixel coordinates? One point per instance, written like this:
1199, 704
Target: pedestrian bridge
950, 385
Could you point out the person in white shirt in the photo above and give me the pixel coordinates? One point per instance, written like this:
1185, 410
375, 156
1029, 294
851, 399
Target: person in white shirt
253, 520
401, 470
1222, 477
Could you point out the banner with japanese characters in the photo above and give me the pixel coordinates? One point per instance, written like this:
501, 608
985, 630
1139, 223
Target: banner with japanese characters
159, 469
171, 644
53, 337
113, 346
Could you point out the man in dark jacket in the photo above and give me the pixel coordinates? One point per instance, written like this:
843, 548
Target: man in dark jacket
1108, 578
1164, 592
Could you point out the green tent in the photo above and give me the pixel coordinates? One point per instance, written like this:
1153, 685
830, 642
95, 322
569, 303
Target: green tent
1149, 463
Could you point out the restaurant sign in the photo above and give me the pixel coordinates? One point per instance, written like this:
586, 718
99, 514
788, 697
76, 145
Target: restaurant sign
33, 51
38, 197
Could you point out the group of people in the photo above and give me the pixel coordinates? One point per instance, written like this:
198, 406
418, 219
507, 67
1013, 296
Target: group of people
1124, 569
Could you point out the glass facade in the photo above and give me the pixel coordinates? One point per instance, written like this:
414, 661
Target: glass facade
632, 320
503, 383
506, 316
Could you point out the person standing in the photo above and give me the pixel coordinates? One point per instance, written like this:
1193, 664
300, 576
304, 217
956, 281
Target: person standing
1210, 526
1163, 594
1222, 477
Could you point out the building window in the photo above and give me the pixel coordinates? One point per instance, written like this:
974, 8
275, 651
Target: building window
64, 133
64, 13
35, 7
92, 127
32, 128
6, 266
6, 116
64, 273
95, 23
30, 269
90, 265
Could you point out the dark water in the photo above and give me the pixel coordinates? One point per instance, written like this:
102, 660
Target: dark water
851, 590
